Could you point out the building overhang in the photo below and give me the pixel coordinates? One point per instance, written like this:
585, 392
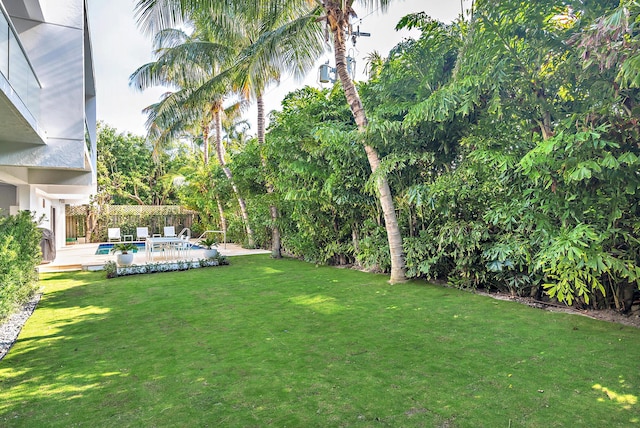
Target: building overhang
75, 187
43, 177
17, 124
74, 195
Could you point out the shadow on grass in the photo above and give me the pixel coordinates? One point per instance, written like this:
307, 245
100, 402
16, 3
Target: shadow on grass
40, 371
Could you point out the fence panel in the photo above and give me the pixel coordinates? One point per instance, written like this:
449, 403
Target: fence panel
92, 222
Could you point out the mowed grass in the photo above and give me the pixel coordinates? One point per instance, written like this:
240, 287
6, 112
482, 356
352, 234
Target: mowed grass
284, 343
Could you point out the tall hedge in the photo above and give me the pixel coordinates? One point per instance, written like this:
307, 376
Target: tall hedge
20, 254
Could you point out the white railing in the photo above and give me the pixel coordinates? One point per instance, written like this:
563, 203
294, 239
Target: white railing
16, 67
206, 232
185, 232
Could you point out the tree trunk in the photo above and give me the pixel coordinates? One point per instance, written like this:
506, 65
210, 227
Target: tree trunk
205, 142
546, 125
243, 206
338, 20
261, 120
90, 225
355, 239
223, 218
276, 249
134, 197
276, 245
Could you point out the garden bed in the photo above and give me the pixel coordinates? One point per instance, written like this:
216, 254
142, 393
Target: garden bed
113, 270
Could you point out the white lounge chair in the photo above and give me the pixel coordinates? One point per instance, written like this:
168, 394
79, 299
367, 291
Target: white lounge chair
142, 233
114, 234
170, 232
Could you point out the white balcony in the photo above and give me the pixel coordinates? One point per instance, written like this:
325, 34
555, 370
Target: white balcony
19, 90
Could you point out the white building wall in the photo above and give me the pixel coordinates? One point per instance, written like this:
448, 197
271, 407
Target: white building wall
58, 211
55, 48
56, 40
42, 210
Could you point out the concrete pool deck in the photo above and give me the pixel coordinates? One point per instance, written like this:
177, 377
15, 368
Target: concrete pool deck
84, 257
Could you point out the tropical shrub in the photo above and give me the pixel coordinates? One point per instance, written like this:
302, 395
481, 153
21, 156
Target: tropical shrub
510, 143
20, 255
319, 173
544, 192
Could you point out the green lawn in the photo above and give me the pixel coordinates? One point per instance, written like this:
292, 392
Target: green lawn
283, 343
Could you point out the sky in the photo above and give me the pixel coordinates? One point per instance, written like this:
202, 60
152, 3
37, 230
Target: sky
119, 48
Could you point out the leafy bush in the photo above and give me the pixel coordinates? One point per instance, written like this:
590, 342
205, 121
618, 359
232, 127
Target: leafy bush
111, 269
123, 247
374, 248
19, 256
210, 242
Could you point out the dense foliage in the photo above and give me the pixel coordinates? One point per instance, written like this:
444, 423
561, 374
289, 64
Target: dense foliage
544, 191
509, 141
19, 257
131, 172
321, 186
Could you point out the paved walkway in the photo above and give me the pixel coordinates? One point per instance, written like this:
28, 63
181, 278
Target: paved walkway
84, 257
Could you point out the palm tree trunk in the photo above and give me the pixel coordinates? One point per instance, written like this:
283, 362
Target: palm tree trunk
276, 247
243, 206
261, 125
205, 142
223, 217
337, 22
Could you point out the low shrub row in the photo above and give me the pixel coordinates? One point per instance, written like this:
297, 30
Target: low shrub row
20, 255
112, 270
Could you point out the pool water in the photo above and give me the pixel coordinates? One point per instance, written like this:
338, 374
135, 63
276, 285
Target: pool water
106, 248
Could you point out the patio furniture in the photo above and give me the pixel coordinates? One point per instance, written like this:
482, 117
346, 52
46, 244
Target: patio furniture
113, 234
166, 245
182, 246
142, 233
169, 231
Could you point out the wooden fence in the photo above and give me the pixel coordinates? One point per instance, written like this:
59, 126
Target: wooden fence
91, 222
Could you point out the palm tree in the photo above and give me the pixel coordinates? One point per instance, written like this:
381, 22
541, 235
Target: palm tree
235, 131
217, 110
178, 68
272, 42
186, 62
154, 15
336, 16
374, 64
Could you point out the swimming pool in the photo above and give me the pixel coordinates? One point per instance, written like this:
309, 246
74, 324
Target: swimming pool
106, 248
